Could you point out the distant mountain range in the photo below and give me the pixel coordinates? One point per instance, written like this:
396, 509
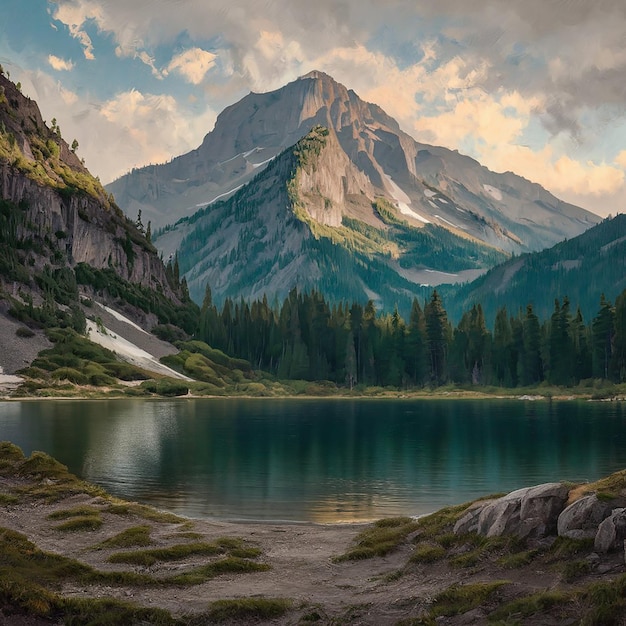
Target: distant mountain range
583, 269
369, 212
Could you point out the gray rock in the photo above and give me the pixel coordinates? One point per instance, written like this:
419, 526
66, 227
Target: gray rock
611, 532
528, 512
469, 522
545, 503
502, 516
580, 520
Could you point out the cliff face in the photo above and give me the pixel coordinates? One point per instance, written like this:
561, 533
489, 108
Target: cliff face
55, 212
84, 229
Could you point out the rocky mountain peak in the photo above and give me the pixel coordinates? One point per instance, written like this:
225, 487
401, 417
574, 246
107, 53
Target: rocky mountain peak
428, 184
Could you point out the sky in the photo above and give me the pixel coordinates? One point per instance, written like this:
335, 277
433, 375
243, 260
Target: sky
537, 87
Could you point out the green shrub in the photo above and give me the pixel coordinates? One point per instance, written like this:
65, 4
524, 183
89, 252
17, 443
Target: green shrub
24, 332
68, 373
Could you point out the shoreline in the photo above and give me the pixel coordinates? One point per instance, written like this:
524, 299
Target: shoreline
73, 547
461, 394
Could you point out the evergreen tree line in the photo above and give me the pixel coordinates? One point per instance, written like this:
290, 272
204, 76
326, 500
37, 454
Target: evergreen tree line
307, 338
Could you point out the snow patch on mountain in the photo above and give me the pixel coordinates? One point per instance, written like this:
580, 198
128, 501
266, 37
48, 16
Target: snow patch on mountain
128, 351
122, 318
403, 201
494, 192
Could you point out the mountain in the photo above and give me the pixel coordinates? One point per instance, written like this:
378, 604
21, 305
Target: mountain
428, 184
582, 268
311, 219
355, 208
62, 237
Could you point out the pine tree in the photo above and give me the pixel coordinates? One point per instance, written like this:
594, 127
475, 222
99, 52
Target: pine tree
438, 337
532, 366
619, 340
502, 349
603, 329
415, 346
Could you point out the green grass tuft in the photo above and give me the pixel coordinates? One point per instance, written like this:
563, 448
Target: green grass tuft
173, 553
86, 522
529, 606
427, 554
382, 537
6, 499
78, 511
459, 599
248, 609
228, 565
145, 512
131, 537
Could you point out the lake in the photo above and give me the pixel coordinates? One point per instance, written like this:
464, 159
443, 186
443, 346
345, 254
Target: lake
319, 460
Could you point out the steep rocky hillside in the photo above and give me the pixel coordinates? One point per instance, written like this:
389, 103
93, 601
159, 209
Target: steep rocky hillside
55, 209
62, 236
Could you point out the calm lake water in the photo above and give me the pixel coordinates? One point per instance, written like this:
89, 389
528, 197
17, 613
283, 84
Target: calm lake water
319, 460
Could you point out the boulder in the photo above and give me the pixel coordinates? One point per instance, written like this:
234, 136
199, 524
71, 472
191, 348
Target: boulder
469, 522
543, 504
580, 520
528, 512
611, 532
502, 516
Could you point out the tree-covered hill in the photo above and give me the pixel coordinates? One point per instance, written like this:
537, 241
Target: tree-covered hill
582, 268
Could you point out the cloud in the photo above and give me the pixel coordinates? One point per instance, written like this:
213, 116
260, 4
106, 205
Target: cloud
59, 64
471, 74
75, 14
559, 174
130, 130
620, 159
193, 64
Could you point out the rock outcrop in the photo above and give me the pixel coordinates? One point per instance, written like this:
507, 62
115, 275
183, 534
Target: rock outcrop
61, 213
529, 512
541, 511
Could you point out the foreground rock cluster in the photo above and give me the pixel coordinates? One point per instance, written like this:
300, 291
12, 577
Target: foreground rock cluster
547, 510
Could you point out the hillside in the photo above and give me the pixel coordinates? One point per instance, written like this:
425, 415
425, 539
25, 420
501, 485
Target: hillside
582, 268
64, 242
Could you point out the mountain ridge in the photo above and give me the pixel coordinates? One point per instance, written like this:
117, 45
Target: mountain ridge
428, 183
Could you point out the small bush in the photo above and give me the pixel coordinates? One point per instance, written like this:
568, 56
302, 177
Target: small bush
24, 332
68, 373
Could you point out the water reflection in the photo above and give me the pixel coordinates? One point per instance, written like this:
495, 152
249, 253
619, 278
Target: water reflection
319, 460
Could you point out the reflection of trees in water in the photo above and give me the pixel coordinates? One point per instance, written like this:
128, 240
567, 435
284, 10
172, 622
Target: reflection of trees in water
297, 459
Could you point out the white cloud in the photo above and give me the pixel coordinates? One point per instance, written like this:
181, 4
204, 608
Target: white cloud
559, 174
75, 14
620, 159
130, 130
193, 64
59, 64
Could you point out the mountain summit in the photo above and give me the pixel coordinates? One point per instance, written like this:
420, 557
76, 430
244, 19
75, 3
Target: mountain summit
427, 184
